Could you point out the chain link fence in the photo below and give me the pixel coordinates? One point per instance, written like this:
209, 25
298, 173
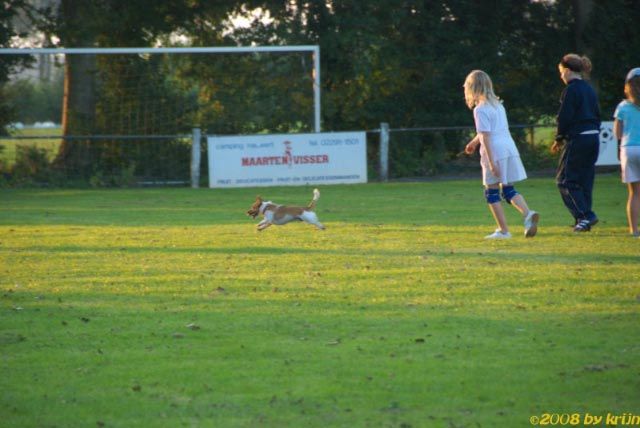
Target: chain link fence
42, 158
35, 158
438, 152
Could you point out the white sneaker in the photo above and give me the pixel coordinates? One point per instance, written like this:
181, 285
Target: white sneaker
498, 234
531, 224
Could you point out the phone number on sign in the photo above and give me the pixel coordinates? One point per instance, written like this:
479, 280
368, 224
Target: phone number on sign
573, 419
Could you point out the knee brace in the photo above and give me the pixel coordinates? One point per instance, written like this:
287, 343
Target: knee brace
508, 193
492, 195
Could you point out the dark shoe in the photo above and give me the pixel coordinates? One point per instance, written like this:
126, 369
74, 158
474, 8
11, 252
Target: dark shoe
582, 226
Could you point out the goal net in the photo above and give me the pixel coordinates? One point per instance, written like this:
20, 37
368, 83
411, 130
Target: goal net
129, 112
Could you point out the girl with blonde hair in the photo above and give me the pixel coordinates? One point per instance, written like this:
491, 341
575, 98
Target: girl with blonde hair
626, 127
499, 156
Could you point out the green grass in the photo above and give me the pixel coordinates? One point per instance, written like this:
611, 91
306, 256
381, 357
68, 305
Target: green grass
544, 136
398, 315
8, 151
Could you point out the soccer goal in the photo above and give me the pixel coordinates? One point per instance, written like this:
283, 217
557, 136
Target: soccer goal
119, 105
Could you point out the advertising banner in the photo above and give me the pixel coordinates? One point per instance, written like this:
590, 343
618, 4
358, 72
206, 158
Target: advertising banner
287, 159
608, 146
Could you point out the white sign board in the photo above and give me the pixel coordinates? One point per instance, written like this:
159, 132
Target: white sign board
608, 146
287, 159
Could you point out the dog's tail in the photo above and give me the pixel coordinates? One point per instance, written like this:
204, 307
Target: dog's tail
316, 196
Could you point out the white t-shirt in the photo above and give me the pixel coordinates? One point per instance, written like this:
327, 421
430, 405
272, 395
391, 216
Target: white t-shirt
492, 119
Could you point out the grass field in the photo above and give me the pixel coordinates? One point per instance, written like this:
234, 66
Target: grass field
165, 308
8, 151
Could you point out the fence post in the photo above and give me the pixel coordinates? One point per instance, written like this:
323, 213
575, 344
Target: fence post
384, 151
532, 136
195, 158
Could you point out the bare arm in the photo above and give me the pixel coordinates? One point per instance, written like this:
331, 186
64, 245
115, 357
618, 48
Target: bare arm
485, 140
618, 129
472, 145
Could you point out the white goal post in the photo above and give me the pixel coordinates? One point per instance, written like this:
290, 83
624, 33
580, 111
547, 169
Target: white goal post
314, 49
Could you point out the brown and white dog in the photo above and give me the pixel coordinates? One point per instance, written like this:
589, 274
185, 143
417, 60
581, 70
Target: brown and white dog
282, 214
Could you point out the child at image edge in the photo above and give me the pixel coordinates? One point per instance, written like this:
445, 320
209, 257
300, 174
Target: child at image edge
499, 156
626, 127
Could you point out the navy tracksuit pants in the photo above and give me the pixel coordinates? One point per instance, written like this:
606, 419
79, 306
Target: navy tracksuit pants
576, 173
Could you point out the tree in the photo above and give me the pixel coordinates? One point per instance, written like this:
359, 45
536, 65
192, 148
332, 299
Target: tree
582, 13
90, 81
94, 23
8, 64
404, 61
397, 61
612, 37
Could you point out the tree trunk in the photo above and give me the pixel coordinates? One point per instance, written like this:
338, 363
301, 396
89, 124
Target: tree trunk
78, 109
79, 100
582, 11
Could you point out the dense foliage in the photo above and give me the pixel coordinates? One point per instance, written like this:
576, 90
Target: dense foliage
8, 64
396, 61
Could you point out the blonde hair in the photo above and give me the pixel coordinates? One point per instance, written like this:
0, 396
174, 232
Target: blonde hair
477, 88
577, 63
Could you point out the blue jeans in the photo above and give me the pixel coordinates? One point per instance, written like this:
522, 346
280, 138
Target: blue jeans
576, 174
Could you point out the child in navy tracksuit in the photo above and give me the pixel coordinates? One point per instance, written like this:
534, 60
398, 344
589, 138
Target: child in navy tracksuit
578, 129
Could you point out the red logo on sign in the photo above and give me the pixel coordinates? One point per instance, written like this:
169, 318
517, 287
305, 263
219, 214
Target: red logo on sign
288, 154
287, 159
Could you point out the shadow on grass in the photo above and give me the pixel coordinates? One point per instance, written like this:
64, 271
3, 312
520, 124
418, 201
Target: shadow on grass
514, 254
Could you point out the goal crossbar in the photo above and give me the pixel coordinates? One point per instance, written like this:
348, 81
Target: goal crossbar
314, 49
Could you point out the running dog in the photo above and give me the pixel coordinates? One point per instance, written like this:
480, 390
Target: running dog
282, 214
